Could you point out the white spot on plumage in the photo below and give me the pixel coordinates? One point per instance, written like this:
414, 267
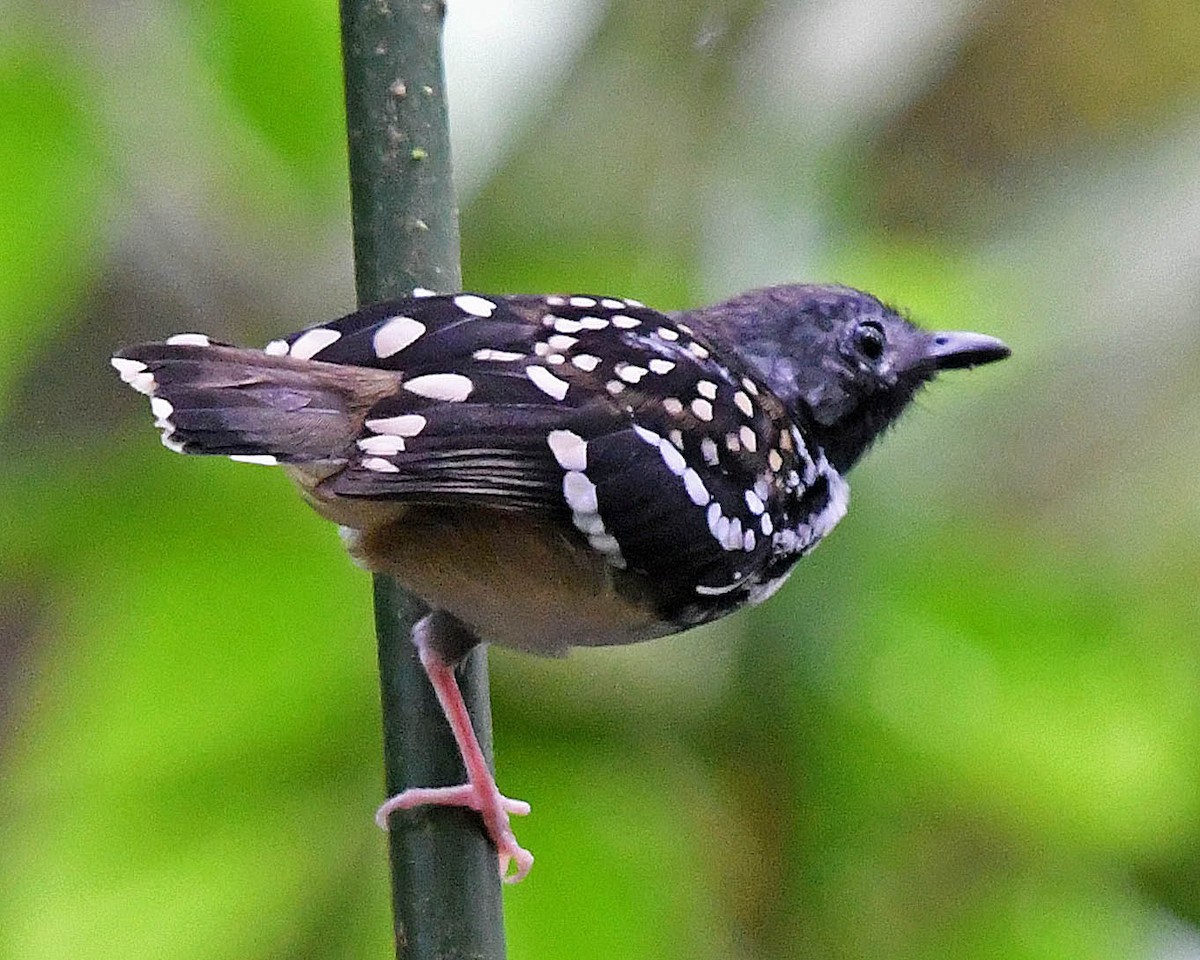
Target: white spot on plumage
608, 303
133, 372
580, 493
560, 341
585, 361
754, 502
697, 351
588, 522
625, 322
566, 325
764, 591
475, 306
660, 366
774, 460
547, 382
751, 386
672, 458
633, 303
707, 389
262, 459
556, 301
676, 437
396, 334
188, 340
702, 409
312, 342
733, 443
379, 465
766, 524
706, 591
420, 292
673, 405
614, 387
605, 543
593, 323
630, 373
450, 387
569, 449
383, 445
748, 437
500, 356
173, 445
581, 302
695, 488
276, 348
748, 540
666, 333
405, 425
733, 539
555, 358
708, 450
785, 541
720, 530
839, 501
744, 403
649, 436
161, 408
713, 516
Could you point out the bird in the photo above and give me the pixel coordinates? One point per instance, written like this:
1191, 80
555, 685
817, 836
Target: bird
563, 470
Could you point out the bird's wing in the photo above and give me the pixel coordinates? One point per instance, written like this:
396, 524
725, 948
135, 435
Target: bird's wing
599, 411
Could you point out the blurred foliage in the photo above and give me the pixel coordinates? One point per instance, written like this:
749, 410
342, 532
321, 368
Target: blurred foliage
51, 163
967, 728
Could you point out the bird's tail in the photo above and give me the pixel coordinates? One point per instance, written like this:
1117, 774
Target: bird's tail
210, 398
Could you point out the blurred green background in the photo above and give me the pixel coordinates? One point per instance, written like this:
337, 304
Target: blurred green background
970, 725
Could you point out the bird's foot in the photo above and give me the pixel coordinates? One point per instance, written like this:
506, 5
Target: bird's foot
486, 800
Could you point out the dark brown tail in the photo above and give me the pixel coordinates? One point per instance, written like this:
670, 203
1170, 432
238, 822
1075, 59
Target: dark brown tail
215, 399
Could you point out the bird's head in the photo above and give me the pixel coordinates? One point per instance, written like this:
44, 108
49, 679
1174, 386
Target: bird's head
844, 363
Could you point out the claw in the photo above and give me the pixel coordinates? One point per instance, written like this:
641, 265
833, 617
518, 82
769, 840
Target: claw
524, 861
462, 795
479, 793
490, 803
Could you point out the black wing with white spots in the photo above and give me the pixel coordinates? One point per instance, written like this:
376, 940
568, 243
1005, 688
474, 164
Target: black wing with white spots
643, 438
669, 458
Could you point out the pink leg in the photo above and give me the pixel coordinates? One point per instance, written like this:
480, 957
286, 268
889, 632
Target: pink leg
479, 792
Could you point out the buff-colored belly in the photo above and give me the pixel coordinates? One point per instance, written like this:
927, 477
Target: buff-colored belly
513, 580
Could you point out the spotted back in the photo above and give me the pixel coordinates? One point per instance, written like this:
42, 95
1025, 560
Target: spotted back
663, 451
645, 441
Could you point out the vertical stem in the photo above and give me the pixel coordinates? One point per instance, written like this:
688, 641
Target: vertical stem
445, 886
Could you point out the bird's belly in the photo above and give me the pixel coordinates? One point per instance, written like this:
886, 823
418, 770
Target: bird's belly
513, 579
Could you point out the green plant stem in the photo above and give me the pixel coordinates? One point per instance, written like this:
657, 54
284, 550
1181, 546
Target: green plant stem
445, 886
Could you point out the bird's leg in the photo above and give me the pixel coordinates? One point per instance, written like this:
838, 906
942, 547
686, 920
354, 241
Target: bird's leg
479, 793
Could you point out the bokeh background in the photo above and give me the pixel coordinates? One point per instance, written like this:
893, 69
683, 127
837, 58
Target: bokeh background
968, 728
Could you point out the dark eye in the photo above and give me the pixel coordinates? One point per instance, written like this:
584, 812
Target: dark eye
869, 339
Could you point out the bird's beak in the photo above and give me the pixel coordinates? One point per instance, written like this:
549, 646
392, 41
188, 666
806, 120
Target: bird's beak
957, 349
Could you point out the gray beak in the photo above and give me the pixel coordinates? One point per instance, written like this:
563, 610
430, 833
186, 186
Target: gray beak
957, 349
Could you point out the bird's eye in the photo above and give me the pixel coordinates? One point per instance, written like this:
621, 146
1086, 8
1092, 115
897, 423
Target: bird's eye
869, 339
